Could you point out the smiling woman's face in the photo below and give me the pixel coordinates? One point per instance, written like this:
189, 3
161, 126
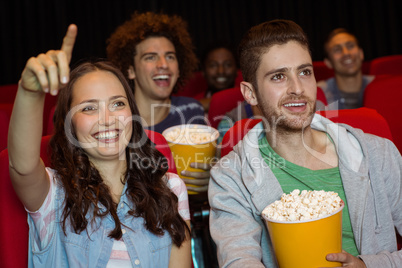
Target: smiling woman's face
102, 115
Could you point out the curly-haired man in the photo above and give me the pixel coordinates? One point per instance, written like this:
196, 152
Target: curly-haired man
155, 52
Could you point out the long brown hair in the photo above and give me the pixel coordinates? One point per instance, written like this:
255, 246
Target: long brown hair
84, 186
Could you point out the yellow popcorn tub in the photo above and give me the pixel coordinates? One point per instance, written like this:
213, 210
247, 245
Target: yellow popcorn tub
304, 244
191, 143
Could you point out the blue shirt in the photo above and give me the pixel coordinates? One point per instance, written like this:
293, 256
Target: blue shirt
341, 100
183, 110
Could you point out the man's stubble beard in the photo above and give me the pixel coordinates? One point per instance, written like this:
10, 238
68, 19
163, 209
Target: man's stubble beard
281, 123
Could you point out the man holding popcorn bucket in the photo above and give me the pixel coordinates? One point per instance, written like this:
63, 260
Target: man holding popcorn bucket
294, 148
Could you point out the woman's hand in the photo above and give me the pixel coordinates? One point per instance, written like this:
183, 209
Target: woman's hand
48, 72
346, 259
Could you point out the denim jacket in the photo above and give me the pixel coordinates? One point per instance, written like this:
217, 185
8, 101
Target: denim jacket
92, 247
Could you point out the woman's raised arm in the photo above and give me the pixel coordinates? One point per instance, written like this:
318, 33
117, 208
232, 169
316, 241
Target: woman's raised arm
43, 74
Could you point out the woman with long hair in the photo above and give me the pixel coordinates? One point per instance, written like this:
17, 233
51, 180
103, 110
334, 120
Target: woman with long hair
107, 199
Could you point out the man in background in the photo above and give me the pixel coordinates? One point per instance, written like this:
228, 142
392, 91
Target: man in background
219, 67
155, 52
344, 55
294, 148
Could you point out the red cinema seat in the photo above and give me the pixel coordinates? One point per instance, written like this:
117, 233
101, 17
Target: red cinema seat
162, 146
384, 95
221, 103
5, 114
13, 217
7, 96
368, 120
50, 125
236, 133
386, 65
4, 122
50, 103
7, 108
321, 71
321, 96
195, 87
8, 92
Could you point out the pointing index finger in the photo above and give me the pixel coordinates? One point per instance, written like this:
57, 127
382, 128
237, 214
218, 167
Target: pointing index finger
69, 40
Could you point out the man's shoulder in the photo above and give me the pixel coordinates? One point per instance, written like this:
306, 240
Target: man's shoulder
368, 78
326, 84
322, 84
373, 144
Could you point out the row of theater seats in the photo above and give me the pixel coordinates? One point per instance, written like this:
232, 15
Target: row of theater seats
369, 120
197, 85
386, 68
13, 218
383, 95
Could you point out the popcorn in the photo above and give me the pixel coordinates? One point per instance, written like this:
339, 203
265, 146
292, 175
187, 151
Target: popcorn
307, 205
187, 135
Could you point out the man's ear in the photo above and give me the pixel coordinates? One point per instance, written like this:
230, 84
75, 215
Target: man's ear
248, 92
328, 63
131, 72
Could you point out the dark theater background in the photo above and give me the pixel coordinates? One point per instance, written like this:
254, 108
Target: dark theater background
30, 27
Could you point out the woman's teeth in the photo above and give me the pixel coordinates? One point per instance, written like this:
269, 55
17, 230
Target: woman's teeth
107, 135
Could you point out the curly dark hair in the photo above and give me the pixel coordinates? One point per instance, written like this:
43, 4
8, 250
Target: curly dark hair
121, 46
260, 38
84, 186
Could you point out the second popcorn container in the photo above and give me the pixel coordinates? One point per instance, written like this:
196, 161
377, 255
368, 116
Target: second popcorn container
191, 143
305, 243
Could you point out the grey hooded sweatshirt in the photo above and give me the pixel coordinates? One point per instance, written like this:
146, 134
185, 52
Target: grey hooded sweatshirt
242, 185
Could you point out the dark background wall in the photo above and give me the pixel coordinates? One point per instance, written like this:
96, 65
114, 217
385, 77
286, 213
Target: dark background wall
29, 27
